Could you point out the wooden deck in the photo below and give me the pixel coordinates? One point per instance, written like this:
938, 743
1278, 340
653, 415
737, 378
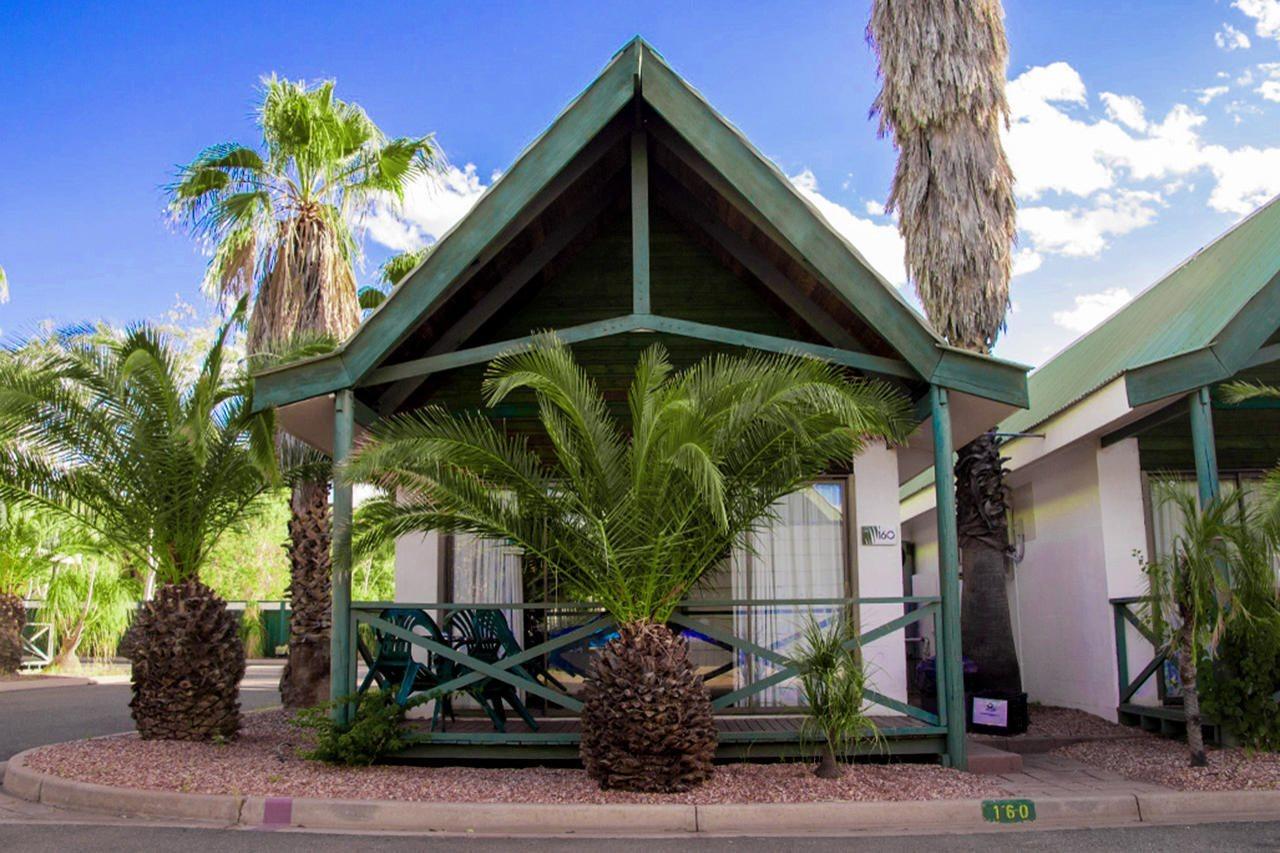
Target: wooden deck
740, 735
1167, 720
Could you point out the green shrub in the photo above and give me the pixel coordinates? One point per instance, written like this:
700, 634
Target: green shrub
1241, 687
376, 730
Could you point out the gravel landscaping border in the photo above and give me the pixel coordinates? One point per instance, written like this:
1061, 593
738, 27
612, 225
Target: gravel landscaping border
1164, 762
264, 762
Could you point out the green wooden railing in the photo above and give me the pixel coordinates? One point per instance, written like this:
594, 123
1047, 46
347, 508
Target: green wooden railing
1122, 609
37, 644
587, 621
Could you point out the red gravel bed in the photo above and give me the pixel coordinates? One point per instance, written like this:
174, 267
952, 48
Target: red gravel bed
264, 762
1164, 762
1052, 721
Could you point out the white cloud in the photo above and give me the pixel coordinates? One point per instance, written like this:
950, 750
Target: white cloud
875, 208
1229, 38
1245, 177
1265, 14
1126, 109
1208, 93
1082, 232
1055, 146
880, 244
432, 205
1026, 261
1091, 309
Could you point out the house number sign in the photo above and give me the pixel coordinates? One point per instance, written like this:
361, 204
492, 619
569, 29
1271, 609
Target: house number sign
1008, 811
874, 534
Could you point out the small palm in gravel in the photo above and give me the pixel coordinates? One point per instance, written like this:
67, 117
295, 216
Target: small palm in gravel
1218, 564
833, 680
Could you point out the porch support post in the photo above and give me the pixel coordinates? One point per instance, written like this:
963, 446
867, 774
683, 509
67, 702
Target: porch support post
1202, 445
340, 641
944, 484
639, 222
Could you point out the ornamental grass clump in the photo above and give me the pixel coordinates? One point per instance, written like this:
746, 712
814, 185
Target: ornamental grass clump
833, 681
629, 514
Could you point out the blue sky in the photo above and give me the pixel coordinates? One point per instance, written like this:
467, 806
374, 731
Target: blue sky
1140, 130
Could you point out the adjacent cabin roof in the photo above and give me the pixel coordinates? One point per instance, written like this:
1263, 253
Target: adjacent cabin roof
1206, 317
1202, 323
701, 155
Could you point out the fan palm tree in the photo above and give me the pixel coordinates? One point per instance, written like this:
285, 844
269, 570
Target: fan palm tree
104, 433
1219, 562
942, 99
629, 517
283, 222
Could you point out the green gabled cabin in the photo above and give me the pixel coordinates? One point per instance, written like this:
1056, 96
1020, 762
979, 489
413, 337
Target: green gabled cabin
640, 216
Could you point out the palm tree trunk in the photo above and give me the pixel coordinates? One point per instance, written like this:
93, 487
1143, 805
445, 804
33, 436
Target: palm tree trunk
305, 680
985, 625
1187, 672
13, 617
828, 767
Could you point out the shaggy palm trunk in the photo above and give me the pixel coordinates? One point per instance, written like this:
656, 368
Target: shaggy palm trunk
13, 616
982, 510
187, 665
985, 624
1189, 676
646, 718
305, 680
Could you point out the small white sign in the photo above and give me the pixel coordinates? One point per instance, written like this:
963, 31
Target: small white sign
874, 534
990, 712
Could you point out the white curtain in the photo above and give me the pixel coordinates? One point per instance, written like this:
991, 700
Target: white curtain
486, 571
799, 554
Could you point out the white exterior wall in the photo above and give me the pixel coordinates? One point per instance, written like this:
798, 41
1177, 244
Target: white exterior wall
879, 567
1083, 512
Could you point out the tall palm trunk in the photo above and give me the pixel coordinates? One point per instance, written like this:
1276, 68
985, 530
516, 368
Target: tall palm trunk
982, 509
305, 680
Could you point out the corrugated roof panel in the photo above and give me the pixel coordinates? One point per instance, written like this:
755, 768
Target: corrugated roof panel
1183, 311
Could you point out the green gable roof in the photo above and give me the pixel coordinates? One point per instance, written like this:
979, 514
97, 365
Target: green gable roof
1186, 312
639, 72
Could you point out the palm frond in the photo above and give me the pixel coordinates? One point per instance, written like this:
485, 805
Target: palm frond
629, 516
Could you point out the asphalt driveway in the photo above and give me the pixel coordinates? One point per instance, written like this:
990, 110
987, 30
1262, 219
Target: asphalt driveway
52, 714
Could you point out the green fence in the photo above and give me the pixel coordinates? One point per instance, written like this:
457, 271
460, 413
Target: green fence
566, 632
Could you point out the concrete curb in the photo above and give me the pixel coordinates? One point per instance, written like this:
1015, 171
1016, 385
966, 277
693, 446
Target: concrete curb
540, 819
44, 682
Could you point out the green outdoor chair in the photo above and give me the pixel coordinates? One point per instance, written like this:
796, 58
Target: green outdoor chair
486, 636
393, 666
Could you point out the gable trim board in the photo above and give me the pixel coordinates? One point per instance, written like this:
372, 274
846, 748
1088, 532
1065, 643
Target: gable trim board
759, 189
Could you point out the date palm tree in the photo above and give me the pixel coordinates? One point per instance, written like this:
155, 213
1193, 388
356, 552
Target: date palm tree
629, 516
283, 222
105, 433
942, 100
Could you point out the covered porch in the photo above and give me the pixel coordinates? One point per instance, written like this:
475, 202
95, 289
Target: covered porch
641, 216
